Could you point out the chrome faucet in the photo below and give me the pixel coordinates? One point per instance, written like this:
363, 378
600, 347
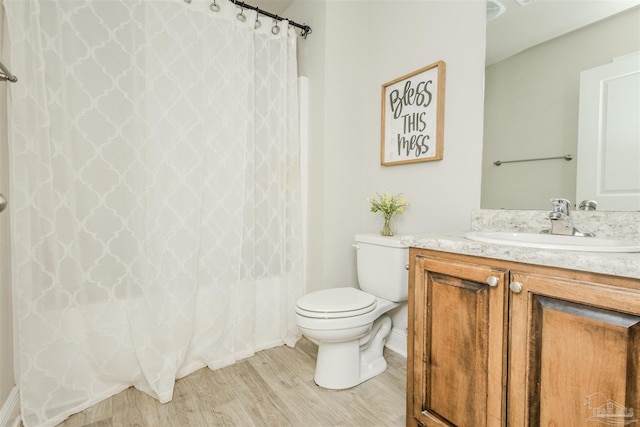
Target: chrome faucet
588, 205
561, 220
560, 216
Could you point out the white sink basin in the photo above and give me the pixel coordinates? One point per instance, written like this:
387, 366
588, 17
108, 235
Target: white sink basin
553, 241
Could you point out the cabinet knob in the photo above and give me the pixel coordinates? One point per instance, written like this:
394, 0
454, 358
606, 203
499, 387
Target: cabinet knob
516, 287
493, 281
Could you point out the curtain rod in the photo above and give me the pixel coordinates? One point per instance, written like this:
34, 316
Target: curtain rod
6, 74
306, 30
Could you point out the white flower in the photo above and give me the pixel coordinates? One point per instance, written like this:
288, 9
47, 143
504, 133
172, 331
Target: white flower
387, 204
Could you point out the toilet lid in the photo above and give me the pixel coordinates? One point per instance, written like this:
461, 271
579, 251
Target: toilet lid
335, 303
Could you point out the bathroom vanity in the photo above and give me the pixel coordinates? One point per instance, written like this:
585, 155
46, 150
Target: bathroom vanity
501, 335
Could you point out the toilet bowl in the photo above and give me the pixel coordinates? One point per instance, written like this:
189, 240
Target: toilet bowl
348, 324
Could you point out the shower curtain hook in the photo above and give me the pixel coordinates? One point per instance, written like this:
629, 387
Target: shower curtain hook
258, 24
275, 29
241, 16
214, 7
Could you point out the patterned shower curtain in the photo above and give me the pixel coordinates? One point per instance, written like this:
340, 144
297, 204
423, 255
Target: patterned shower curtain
156, 215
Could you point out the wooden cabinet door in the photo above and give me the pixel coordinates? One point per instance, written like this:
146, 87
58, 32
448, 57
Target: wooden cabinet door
456, 362
574, 356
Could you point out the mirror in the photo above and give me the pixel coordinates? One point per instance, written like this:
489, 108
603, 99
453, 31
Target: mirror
536, 50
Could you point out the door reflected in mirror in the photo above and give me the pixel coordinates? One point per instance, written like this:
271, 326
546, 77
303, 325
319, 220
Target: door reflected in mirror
609, 135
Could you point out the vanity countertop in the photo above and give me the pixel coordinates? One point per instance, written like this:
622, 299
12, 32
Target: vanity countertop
618, 225
616, 264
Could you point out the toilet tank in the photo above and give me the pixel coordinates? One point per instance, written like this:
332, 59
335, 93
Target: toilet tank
381, 263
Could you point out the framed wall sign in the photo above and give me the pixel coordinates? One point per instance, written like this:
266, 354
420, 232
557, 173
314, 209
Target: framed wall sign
413, 117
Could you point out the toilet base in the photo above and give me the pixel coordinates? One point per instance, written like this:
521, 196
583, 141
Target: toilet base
346, 364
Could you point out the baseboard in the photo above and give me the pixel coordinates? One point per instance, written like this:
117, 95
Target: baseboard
397, 341
10, 411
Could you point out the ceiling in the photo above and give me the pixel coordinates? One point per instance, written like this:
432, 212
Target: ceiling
277, 7
521, 27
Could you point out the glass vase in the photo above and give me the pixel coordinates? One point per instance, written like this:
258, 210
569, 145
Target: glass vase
386, 227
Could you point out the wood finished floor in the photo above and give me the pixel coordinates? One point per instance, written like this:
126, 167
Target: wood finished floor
273, 388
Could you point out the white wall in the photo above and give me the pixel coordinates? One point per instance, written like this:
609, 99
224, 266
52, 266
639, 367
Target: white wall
540, 118
355, 47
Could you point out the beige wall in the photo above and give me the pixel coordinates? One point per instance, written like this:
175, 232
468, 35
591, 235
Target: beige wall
355, 47
531, 111
6, 336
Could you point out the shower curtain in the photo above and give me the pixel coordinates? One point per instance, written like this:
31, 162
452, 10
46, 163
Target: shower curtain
156, 207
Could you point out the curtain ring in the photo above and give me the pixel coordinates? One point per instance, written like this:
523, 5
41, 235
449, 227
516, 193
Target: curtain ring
275, 29
214, 7
241, 16
258, 24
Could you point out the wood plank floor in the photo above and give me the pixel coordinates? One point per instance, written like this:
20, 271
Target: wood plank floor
273, 388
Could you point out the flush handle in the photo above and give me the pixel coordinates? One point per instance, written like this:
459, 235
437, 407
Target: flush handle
516, 287
493, 281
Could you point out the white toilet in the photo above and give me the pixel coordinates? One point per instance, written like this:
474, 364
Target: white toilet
349, 324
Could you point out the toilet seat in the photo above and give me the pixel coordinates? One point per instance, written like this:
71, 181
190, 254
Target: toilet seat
336, 303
